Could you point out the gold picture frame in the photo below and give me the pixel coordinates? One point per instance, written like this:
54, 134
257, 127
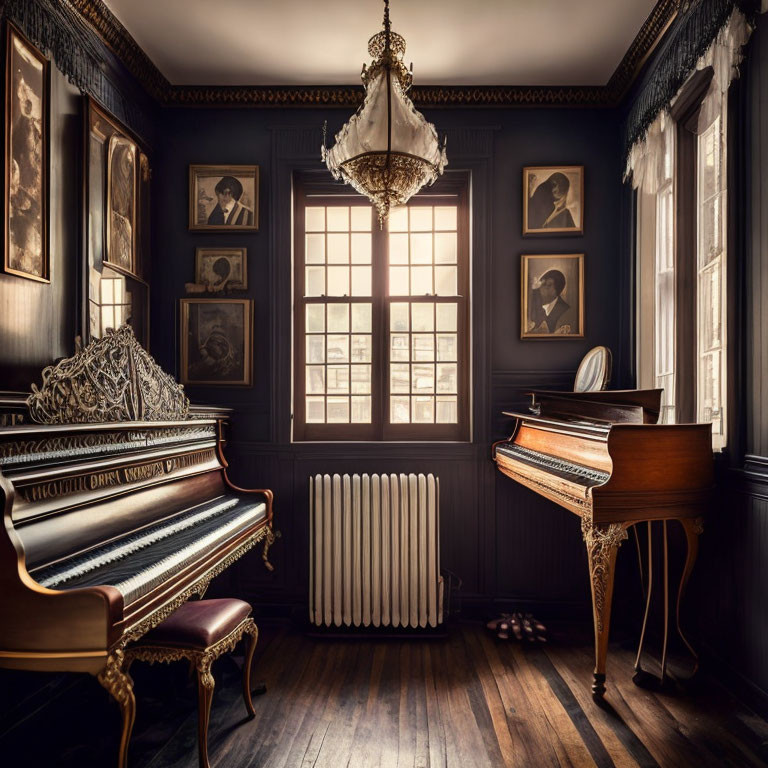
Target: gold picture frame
216, 342
553, 200
552, 296
122, 199
27, 100
224, 198
222, 269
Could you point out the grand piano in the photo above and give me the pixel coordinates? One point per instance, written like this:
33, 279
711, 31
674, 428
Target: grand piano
116, 509
602, 456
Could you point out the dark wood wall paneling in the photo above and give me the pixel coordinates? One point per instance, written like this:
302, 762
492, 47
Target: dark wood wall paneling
499, 539
38, 321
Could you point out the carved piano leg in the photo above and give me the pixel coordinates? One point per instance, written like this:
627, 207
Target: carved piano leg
119, 685
693, 529
269, 540
205, 683
602, 545
253, 631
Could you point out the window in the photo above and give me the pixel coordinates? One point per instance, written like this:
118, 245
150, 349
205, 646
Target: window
380, 317
682, 240
656, 280
711, 277
664, 284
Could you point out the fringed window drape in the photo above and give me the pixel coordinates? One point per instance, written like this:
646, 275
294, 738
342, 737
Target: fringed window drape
645, 156
59, 31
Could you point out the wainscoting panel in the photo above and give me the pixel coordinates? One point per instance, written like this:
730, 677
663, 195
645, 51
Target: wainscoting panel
732, 584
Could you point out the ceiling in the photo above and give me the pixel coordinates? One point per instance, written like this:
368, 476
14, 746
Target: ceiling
450, 42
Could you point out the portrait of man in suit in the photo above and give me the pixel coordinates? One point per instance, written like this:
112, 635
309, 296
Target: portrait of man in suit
228, 208
553, 296
549, 312
223, 197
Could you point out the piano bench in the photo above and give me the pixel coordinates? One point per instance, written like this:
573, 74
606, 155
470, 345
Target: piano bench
201, 631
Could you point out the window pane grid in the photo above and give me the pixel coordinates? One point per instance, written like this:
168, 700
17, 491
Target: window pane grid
423, 259
423, 370
711, 276
664, 347
338, 252
348, 270
338, 334
338, 362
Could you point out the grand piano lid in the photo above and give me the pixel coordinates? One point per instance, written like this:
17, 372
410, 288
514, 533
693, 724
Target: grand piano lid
593, 429
638, 406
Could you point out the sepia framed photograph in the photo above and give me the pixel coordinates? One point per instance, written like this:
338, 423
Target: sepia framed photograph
220, 269
552, 296
27, 88
121, 203
223, 198
116, 176
216, 341
553, 199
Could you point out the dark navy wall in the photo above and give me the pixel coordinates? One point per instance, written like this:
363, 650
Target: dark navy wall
501, 540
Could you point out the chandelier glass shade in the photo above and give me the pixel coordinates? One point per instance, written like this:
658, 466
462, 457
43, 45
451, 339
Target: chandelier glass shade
387, 150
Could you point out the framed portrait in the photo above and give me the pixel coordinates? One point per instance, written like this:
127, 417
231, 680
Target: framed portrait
121, 203
552, 300
221, 268
216, 339
26, 159
116, 178
553, 199
223, 198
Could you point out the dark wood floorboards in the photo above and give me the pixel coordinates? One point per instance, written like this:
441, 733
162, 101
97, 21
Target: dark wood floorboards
469, 701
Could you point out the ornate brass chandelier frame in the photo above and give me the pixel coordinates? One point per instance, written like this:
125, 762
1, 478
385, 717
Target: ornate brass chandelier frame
389, 174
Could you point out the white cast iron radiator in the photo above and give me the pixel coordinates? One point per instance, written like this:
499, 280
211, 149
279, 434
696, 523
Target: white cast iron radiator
374, 551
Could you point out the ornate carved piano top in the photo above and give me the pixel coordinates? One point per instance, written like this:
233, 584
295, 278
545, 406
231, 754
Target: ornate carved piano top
115, 511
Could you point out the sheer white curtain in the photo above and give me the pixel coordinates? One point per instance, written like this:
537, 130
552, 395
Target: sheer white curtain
651, 169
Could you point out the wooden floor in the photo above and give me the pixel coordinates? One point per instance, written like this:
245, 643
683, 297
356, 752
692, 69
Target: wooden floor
467, 701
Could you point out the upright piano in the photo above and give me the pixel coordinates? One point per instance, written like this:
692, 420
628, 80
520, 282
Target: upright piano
117, 508
603, 456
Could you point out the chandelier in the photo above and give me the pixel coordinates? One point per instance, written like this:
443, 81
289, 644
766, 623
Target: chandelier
387, 151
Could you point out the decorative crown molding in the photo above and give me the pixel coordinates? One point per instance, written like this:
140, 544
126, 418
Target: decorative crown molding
657, 23
119, 40
112, 379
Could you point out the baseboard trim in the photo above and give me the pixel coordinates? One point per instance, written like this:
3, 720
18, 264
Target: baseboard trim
744, 689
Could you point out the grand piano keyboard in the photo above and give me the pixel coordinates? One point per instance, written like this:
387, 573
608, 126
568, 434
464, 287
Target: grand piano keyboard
567, 470
136, 563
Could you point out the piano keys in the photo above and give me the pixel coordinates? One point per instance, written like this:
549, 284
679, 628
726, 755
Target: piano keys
602, 456
113, 516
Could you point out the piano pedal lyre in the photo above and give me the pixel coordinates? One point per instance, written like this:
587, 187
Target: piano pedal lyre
692, 528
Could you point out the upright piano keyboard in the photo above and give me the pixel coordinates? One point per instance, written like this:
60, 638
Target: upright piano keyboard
115, 512
602, 456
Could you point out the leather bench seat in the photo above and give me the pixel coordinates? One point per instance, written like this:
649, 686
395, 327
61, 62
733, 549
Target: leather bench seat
198, 624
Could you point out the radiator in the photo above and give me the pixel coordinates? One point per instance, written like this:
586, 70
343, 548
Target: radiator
374, 551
